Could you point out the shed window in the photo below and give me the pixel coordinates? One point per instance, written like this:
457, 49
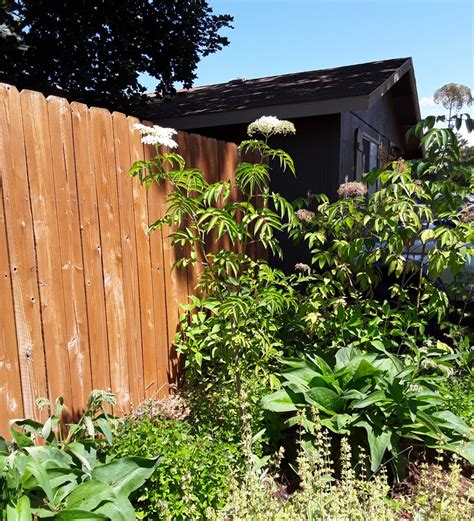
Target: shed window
369, 159
366, 156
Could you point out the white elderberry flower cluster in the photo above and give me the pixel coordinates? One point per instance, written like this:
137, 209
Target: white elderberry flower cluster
300, 266
157, 135
351, 190
306, 216
270, 125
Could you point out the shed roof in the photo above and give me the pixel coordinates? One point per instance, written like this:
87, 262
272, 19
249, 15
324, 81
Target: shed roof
352, 87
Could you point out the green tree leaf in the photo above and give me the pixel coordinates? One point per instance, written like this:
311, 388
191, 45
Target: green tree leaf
325, 398
21, 511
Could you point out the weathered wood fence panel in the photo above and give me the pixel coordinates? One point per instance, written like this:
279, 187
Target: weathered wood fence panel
87, 299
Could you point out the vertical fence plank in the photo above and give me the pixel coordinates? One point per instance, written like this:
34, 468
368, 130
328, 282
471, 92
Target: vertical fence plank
91, 246
133, 337
70, 249
211, 168
163, 294
88, 296
10, 382
228, 159
176, 279
186, 287
211, 171
194, 157
45, 223
14, 178
104, 165
153, 327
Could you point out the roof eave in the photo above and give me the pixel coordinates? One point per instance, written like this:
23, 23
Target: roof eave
286, 111
405, 68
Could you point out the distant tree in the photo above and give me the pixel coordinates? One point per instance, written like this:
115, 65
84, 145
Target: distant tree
453, 97
467, 155
94, 50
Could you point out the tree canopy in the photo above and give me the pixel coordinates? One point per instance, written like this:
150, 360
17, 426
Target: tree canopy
94, 50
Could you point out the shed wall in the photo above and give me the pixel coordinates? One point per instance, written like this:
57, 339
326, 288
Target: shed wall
314, 148
379, 123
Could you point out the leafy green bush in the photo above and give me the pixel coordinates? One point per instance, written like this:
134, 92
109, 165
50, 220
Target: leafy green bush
375, 363
409, 237
460, 397
382, 399
243, 329
54, 470
402, 228
193, 472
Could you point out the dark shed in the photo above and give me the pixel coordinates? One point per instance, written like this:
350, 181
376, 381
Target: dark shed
346, 118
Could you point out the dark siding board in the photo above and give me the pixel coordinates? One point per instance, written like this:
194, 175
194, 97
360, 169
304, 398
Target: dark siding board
315, 151
383, 117
314, 148
380, 123
347, 144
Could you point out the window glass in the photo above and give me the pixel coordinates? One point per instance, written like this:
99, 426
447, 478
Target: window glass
369, 159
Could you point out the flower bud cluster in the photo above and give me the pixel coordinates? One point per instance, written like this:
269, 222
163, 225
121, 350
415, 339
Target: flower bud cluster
270, 125
306, 216
352, 189
157, 135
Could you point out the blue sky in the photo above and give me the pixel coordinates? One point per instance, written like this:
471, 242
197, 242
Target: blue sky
280, 36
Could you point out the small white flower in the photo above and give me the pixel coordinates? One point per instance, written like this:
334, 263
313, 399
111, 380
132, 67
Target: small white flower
269, 125
414, 388
306, 216
300, 266
157, 135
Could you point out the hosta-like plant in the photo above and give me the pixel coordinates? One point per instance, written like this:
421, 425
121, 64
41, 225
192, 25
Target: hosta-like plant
53, 470
389, 402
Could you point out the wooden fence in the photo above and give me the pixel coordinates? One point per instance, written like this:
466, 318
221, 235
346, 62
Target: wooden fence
88, 300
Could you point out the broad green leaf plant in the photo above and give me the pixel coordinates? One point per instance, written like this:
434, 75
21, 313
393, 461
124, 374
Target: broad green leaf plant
54, 470
387, 402
232, 322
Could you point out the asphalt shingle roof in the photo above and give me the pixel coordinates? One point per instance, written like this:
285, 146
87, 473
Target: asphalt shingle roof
324, 84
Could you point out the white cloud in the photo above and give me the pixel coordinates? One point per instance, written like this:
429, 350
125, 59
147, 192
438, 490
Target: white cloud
427, 102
